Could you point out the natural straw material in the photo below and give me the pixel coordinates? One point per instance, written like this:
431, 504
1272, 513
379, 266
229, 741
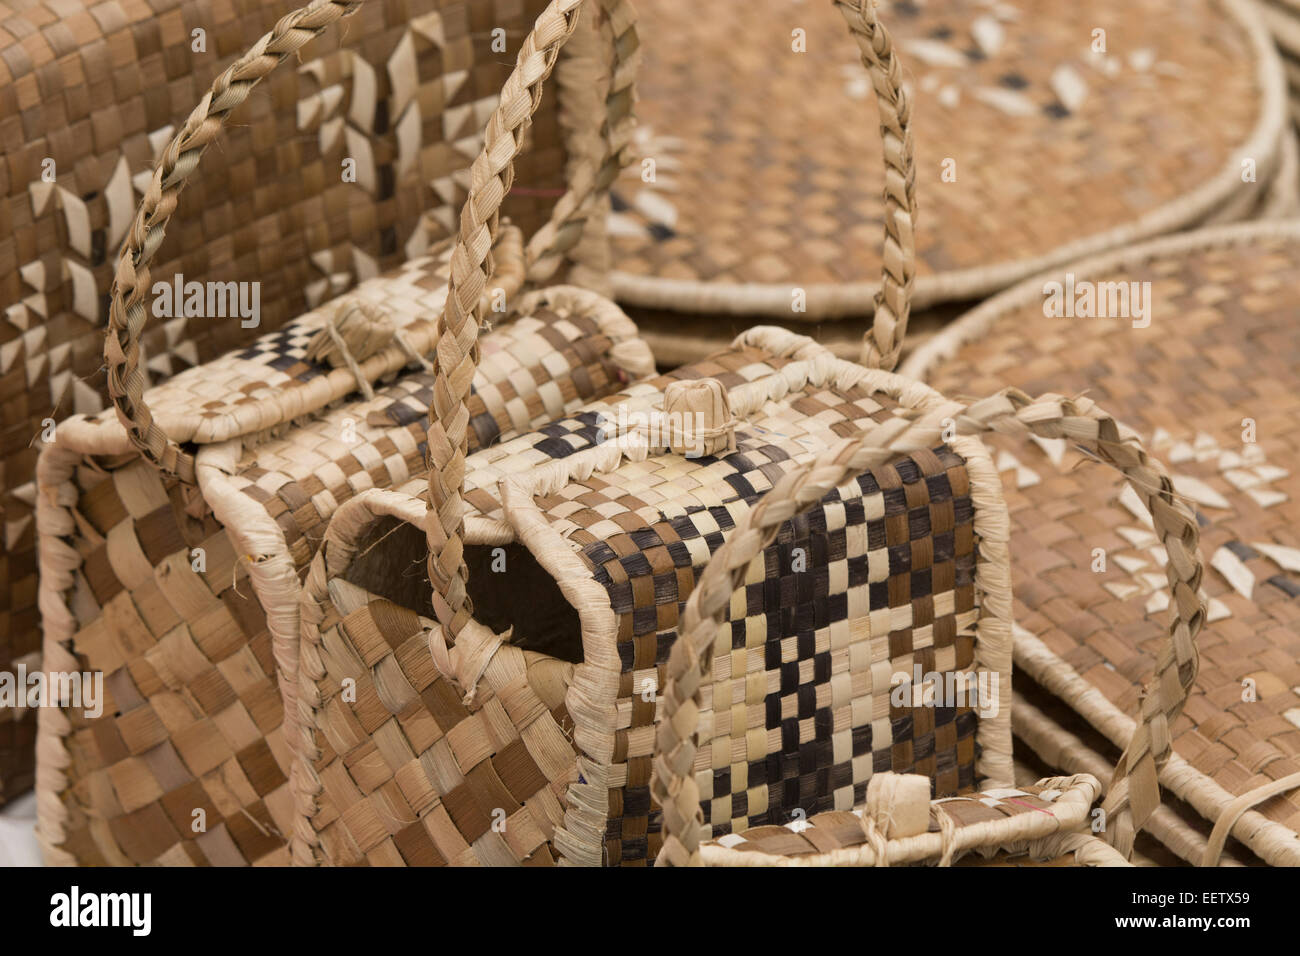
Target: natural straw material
90, 94
616, 536
764, 158
1212, 385
1134, 793
183, 588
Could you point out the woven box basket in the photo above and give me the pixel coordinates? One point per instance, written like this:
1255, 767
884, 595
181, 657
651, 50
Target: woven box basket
1212, 383
1033, 149
172, 533
96, 89
558, 708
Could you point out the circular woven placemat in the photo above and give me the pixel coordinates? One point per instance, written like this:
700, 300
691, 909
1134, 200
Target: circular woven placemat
1212, 384
767, 161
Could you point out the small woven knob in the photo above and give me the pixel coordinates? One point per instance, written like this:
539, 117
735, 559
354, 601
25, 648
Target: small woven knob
899, 804
362, 328
699, 420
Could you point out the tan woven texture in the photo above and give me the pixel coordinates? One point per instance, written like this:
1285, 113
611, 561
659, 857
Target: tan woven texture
893, 575
99, 88
1219, 359
1057, 152
193, 654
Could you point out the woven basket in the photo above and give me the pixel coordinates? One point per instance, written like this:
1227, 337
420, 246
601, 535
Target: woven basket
1044, 135
441, 725
97, 89
173, 527
1009, 821
1221, 352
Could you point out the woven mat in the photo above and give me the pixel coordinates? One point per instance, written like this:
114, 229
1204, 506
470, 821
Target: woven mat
1213, 386
767, 161
98, 89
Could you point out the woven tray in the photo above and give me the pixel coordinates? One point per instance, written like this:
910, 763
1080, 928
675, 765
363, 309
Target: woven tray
1221, 352
1045, 136
99, 92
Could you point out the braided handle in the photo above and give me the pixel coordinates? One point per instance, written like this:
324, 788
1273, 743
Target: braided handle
883, 342
128, 310
1134, 793
471, 267
456, 357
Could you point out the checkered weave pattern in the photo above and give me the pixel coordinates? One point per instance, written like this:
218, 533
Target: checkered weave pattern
194, 719
429, 778
90, 92
878, 579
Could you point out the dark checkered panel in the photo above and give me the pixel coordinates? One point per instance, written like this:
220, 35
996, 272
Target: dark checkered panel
876, 581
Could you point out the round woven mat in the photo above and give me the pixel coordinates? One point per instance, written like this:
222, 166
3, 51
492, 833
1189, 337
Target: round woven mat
767, 161
1212, 385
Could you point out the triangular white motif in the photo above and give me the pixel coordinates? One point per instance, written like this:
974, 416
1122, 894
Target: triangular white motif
1199, 492
1008, 101
1069, 87
1266, 498
1217, 611
655, 208
1130, 563
989, 35
1234, 571
1026, 478
1138, 537
1158, 601
1130, 500
1283, 557
1121, 590
1053, 448
934, 53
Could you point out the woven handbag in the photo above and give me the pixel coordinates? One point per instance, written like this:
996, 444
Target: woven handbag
172, 535
1217, 400
502, 709
88, 98
897, 824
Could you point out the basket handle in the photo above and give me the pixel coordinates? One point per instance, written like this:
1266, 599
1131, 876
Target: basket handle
128, 310
471, 268
1134, 792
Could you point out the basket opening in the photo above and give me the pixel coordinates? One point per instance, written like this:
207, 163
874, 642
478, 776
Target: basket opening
507, 585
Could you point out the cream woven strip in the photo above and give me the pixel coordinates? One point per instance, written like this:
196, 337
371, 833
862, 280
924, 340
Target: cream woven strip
128, 307
1134, 792
1230, 814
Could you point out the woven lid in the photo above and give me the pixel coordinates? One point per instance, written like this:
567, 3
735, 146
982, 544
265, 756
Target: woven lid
1039, 129
1210, 379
